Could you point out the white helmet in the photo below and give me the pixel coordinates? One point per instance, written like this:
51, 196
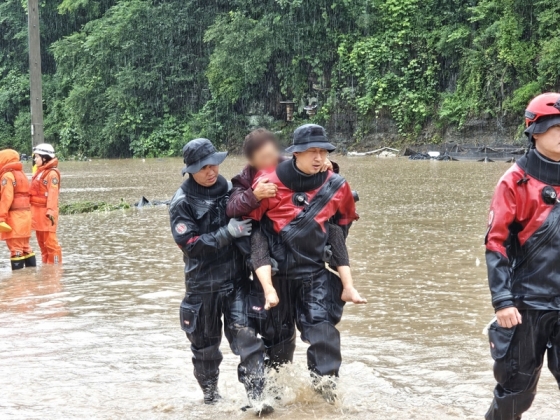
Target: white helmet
44, 149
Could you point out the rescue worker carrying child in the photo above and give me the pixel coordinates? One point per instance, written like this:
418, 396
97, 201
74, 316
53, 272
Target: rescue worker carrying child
296, 223
15, 210
45, 187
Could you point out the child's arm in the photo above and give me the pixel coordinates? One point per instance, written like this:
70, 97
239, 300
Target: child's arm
341, 261
260, 258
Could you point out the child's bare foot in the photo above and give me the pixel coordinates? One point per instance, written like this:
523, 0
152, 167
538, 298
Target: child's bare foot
271, 299
352, 295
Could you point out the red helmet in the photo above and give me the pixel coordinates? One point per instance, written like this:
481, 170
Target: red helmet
544, 105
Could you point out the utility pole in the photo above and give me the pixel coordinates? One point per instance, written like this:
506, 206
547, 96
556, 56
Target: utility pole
35, 84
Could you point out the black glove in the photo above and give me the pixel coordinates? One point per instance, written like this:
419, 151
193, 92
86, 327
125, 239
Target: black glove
51, 218
239, 228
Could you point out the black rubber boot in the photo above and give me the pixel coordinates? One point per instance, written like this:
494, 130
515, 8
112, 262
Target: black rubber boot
326, 387
255, 389
30, 260
17, 263
209, 386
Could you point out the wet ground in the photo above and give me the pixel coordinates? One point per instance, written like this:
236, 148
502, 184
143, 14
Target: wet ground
100, 338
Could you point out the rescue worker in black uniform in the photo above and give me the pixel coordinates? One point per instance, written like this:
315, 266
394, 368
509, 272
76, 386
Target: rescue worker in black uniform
523, 259
216, 275
296, 223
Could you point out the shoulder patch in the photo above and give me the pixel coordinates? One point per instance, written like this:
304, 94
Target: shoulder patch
180, 228
4, 181
55, 181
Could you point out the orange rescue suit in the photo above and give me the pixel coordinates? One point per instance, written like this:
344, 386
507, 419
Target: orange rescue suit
14, 191
44, 192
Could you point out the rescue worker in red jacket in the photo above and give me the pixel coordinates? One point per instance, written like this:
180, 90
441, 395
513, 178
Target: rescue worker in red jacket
15, 210
45, 187
523, 259
296, 223
261, 149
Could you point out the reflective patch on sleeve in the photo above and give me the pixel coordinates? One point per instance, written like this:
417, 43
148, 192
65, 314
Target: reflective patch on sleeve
4, 182
55, 181
180, 228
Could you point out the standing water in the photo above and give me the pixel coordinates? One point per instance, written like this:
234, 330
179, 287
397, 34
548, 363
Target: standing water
100, 337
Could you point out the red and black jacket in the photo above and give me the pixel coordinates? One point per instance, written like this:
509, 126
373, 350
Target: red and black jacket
300, 251
242, 201
523, 238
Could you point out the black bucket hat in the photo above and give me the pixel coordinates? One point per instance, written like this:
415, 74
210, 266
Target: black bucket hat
308, 136
542, 125
198, 153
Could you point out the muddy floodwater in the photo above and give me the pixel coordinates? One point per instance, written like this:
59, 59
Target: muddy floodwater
100, 338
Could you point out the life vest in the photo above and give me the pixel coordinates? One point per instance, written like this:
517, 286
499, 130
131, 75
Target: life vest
39, 190
21, 186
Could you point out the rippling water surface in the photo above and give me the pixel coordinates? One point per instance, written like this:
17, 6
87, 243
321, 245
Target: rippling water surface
100, 337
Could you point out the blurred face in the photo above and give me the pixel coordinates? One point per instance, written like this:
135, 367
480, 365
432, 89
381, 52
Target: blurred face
207, 176
265, 157
548, 143
311, 161
38, 160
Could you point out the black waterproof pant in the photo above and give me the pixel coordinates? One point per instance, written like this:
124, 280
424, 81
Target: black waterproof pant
276, 326
201, 319
313, 304
519, 353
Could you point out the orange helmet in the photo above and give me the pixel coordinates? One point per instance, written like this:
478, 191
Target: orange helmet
542, 113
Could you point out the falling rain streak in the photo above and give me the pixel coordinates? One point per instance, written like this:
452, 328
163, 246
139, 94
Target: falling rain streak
101, 339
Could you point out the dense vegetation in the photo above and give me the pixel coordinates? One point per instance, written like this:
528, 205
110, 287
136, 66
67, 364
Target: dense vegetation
139, 77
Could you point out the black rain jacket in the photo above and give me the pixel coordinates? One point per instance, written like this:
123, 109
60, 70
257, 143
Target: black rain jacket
199, 227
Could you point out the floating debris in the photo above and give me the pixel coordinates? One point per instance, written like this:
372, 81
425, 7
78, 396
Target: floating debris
446, 157
420, 156
144, 202
385, 151
91, 206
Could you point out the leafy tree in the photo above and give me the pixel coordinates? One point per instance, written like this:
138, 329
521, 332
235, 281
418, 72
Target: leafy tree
141, 77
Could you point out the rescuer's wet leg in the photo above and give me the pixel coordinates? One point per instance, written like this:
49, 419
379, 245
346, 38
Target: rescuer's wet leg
16, 247
518, 354
319, 309
54, 251
200, 316
28, 254
244, 342
278, 329
281, 352
553, 351
276, 326
30, 260
41, 240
